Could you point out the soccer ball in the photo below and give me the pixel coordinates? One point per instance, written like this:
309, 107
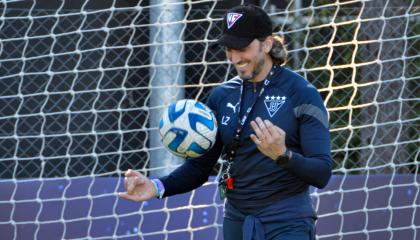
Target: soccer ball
188, 128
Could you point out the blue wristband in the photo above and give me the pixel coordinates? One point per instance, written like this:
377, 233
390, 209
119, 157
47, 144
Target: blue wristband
160, 189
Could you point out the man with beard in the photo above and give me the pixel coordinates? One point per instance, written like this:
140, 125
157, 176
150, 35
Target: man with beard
273, 131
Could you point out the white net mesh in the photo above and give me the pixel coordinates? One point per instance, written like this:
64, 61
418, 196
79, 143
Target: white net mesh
83, 82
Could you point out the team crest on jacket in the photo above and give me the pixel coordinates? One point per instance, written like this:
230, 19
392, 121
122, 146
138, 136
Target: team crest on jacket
273, 104
232, 18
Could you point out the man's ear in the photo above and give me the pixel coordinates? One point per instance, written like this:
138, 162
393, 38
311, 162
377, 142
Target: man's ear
268, 44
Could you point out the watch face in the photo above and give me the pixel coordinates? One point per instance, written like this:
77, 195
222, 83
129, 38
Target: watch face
284, 158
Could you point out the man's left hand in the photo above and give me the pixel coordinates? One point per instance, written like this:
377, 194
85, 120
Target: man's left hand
269, 138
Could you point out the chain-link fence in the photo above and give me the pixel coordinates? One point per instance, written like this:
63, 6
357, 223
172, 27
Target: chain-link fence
75, 84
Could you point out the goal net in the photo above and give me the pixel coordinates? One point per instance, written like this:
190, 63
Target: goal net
83, 84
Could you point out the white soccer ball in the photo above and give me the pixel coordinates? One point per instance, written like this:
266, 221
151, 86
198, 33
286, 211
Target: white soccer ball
188, 128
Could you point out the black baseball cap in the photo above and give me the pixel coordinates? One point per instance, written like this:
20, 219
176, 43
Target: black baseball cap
243, 24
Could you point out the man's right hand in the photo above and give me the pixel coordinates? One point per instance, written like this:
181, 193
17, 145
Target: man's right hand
139, 187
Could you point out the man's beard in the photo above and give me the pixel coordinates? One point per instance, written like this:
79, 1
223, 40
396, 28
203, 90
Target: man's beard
259, 64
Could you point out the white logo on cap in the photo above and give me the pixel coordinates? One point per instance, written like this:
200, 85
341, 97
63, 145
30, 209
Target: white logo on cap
232, 18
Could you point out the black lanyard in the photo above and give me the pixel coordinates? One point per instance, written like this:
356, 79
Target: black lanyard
226, 181
230, 154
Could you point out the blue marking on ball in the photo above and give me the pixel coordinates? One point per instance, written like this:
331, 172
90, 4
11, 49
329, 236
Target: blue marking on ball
180, 135
195, 118
194, 147
173, 114
161, 124
200, 105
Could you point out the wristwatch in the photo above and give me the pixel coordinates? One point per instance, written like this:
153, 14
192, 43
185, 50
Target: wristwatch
284, 159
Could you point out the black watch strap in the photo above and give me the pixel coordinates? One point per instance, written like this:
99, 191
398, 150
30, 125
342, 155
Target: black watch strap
284, 159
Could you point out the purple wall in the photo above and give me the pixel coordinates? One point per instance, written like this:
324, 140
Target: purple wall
105, 216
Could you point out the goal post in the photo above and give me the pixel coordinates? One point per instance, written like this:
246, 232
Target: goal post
82, 84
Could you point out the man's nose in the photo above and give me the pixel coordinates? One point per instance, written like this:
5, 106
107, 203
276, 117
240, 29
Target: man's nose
235, 57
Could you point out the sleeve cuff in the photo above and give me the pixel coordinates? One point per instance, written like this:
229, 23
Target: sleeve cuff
295, 161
